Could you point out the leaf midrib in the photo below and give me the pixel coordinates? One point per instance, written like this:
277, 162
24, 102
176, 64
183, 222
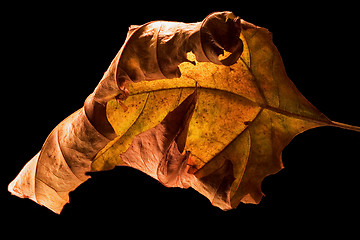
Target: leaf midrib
261, 105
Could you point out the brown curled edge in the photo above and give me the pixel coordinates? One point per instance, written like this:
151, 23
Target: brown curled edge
151, 51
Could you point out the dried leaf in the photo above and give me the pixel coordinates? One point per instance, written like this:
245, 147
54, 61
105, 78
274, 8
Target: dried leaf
218, 125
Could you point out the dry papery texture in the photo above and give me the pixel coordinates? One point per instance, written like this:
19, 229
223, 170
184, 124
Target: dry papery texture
206, 105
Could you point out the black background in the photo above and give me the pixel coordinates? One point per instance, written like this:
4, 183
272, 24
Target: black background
55, 55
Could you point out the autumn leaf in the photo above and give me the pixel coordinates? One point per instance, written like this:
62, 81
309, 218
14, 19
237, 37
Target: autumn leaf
218, 125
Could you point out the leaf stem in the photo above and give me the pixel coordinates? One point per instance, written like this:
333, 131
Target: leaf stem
345, 126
